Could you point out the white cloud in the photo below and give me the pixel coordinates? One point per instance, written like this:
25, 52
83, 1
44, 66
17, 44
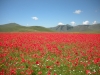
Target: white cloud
60, 23
77, 11
86, 22
73, 23
34, 18
95, 22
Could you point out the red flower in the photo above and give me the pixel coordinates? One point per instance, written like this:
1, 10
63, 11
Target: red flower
29, 71
96, 60
58, 63
23, 60
37, 62
48, 66
2, 72
88, 72
40, 72
49, 73
12, 71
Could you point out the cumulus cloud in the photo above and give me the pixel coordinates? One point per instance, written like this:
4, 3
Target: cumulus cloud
95, 22
77, 11
85, 22
60, 23
73, 23
34, 18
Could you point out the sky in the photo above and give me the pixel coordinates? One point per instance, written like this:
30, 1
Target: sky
50, 13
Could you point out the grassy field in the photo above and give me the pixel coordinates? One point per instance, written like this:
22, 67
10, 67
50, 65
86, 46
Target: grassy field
49, 54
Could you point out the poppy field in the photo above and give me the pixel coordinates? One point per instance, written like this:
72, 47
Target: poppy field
49, 53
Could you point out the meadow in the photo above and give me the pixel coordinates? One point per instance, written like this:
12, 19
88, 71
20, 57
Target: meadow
49, 53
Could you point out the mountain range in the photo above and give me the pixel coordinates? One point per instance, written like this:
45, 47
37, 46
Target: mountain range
78, 28
14, 27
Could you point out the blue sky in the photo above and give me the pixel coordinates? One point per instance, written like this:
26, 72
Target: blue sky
49, 13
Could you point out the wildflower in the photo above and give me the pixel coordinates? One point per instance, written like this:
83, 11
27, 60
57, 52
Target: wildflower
88, 72
29, 72
48, 67
12, 71
49, 73
2, 72
23, 60
58, 63
40, 72
55, 74
96, 60
37, 62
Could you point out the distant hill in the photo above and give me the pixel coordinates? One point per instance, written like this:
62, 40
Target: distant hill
13, 27
78, 28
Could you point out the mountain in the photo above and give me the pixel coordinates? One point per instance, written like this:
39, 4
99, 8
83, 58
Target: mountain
62, 28
78, 28
14, 27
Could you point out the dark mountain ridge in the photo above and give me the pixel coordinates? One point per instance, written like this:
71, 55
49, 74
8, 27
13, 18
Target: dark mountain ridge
62, 27
78, 28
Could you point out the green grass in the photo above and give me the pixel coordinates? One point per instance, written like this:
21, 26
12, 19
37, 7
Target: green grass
63, 67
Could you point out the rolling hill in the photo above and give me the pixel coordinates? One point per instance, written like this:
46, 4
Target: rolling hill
14, 27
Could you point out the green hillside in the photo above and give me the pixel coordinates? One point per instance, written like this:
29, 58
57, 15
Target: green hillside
13, 27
